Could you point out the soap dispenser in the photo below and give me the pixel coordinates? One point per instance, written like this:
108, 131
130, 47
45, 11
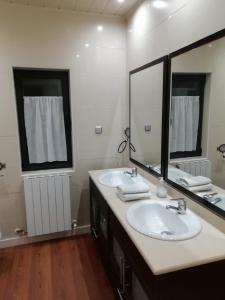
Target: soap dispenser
161, 191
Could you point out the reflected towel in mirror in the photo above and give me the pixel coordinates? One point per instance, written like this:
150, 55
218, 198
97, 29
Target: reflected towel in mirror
200, 188
194, 181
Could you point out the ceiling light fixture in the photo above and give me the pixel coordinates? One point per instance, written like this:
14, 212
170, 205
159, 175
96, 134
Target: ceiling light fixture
120, 1
159, 4
87, 45
100, 28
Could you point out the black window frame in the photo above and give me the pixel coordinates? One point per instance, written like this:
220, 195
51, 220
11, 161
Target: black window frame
27, 73
178, 78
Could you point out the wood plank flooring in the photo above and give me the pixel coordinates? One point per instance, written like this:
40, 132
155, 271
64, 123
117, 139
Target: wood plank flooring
67, 269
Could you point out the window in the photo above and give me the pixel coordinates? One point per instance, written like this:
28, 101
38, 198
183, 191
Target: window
187, 103
43, 109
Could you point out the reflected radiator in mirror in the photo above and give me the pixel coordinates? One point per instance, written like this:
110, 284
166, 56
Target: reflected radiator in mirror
195, 167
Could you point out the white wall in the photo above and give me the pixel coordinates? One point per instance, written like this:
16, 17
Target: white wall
152, 33
42, 38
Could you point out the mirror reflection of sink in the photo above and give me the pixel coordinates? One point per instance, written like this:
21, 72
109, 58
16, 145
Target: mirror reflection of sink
115, 178
174, 173
150, 217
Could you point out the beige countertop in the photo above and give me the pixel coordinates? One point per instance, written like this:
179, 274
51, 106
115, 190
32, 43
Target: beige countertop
166, 256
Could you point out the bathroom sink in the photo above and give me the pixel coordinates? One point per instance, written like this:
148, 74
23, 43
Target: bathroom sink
150, 217
115, 178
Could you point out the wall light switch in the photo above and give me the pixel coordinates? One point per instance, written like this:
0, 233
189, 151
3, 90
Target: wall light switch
148, 128
98, 129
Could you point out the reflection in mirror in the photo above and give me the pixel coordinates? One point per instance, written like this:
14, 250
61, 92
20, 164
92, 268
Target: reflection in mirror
197, 122
146, 101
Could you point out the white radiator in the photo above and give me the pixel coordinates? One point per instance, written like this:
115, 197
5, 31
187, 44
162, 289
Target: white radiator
47, 200
195, 167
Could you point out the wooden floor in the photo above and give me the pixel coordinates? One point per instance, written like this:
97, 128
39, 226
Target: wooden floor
62, 269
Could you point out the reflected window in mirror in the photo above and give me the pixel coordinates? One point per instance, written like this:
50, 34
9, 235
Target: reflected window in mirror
197, 121
147, 94
187, 106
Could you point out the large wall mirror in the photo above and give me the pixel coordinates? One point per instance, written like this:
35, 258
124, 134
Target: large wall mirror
147, 95
197, 121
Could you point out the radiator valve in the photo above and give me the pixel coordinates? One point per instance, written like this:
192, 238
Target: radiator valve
74, 224
20, 231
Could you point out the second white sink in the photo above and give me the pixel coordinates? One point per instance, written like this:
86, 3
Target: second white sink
150, 217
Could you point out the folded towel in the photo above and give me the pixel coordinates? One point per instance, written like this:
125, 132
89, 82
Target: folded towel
130, 197
200, 188
195, 181
135, 188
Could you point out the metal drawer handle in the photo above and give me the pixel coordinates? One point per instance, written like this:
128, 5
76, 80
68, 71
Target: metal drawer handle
125, 283
120, 294
95, 233
2, 166
122, 272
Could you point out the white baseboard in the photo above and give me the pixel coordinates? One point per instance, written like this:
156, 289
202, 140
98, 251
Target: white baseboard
15, 241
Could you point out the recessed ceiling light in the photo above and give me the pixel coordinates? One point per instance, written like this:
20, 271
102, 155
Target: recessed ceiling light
87, 45
100, 27
159, 4
77, 55
120, 1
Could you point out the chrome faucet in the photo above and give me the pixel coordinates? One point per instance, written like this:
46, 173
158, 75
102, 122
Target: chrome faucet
181, 208
133, 172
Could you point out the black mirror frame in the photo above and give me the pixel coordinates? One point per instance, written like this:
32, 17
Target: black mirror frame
218, 211
163, 60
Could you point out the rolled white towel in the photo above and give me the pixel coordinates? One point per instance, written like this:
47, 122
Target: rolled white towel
195, 181
131, 197
200, 188
135, 188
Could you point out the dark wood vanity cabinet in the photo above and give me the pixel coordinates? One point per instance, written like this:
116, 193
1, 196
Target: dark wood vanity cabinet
112, 241
131, 277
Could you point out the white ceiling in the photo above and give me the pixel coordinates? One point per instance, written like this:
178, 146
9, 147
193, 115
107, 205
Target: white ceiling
109, 7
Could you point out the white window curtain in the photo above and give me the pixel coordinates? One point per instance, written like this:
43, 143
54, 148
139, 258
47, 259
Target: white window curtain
45, 129
184, 123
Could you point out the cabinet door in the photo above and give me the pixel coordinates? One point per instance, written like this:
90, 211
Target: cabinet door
136, 290
131, 279
95, 215
120, 274
99, 221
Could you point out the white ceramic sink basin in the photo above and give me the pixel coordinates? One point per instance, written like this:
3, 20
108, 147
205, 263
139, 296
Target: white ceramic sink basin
150, 217
115, 178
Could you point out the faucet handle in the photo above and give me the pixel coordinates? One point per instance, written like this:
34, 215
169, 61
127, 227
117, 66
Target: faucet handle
134, 171
182, 203
177, 199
